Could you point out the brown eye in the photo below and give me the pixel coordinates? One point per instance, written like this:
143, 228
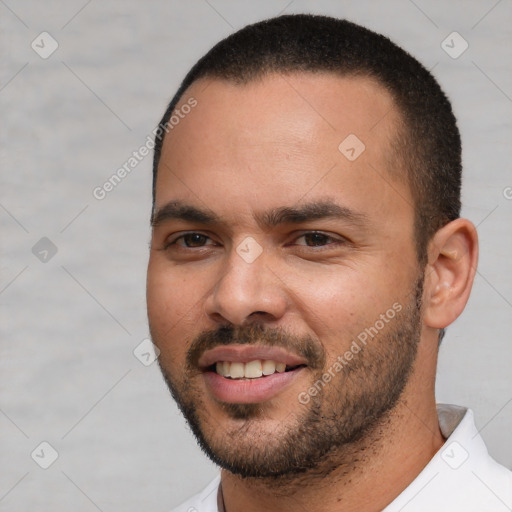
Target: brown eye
316, 239
190, 241
194, 239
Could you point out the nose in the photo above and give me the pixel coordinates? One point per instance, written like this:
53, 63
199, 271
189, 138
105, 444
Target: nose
246, 290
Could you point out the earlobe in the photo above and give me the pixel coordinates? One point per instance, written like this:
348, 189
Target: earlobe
452, 261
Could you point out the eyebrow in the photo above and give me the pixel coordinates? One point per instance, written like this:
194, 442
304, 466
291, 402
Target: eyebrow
316, 210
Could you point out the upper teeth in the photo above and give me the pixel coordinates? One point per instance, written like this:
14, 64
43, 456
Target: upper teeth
250, 370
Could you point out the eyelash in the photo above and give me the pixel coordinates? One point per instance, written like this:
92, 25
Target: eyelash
336, 242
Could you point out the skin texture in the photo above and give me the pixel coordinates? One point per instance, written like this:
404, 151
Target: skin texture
273, 143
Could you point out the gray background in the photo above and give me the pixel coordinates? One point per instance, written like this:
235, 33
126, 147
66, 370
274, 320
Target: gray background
70, 324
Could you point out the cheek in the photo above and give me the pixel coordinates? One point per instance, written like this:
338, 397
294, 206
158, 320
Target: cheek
170, 302
339, 303
159, 291
324, 299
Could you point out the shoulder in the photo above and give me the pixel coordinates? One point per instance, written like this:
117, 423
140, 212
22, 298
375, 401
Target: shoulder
462, 476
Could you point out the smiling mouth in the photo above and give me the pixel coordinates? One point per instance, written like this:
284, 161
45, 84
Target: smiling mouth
255, 369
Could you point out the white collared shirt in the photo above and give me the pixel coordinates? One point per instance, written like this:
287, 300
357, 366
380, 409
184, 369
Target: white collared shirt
461, 477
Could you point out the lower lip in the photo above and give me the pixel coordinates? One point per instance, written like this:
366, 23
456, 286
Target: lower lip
249, 391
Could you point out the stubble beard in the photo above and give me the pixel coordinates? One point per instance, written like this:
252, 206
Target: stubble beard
350, 412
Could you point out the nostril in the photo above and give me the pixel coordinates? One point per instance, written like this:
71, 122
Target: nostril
259, 313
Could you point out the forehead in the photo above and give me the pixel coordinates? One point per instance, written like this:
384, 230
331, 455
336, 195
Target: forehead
277, 102
281, 137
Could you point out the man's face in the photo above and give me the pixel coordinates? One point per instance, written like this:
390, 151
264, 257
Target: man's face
302, 255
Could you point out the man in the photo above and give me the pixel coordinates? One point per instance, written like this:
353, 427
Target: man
307, 255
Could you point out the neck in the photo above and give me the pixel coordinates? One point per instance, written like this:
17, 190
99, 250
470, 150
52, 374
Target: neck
365, 476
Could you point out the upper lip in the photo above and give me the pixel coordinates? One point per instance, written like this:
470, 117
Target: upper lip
247, 353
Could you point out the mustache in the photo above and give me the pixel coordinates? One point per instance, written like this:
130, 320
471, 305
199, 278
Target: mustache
257, 334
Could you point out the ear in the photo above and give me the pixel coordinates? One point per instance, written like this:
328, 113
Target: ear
451, 268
